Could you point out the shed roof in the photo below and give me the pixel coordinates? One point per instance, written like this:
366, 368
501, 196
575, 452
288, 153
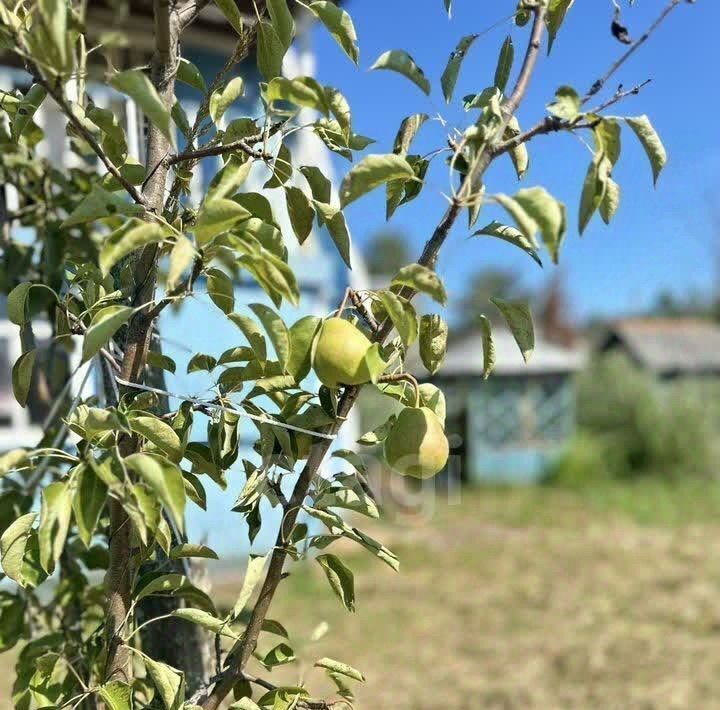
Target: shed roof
668, 345
465, 356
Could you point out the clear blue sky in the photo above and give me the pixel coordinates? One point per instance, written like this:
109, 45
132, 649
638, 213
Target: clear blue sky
660, 238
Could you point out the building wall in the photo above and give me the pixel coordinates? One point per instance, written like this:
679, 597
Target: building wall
509, 429
198, 326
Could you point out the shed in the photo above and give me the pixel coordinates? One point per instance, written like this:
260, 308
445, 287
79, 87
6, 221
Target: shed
509, 427
668, 347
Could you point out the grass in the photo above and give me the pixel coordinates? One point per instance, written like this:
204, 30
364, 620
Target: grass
606, 597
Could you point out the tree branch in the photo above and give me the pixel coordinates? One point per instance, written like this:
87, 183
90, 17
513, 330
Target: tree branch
510, 106
190, 11
57, 95
119, 576
600, 83
237, 662
243, 145
553, 124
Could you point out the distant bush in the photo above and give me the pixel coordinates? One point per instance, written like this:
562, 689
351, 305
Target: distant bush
631, 425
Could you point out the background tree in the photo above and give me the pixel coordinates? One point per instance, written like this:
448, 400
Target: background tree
115, 499
387, 252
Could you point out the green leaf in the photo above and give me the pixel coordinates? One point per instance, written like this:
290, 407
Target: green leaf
220, 289
567, 104
607, 138
400, 192
398, 60
104, 325
334, 220
253, 334
55, 514
448, 7
407, 132
548, 213
55, 19
277, 331
190, 550
159, 433
318, 182
302, 333
117, 695
279, 656
433, 341
523, 220
232, 14
201, 363
519, 319
340, 109
164, 478
650, 142
140, 89
556, 11
519, 154
270, 51
488, 346
216, 216
274, 276
610, 201
422, 280
127, 239
300, 211
433, 398
88, 502
282, 21
452, 69
26, 109
340, 578
22, 376
403, 319
341, 668
504, 64
222, 99
175, 585
282, 168
339, 24
244, 704
12, 460
512, 236
170, 684
12, 620
379, 433
20, 300
13, 546
189, 74
371, 172
99, 203
206, 621
230, 178
594, 188
303, 91
253, 574
161, 362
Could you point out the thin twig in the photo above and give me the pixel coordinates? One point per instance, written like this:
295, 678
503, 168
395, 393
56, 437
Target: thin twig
362, 308
600, 83
242, 145
553, 124
404, 377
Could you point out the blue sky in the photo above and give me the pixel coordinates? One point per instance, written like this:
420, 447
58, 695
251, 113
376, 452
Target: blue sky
660, 239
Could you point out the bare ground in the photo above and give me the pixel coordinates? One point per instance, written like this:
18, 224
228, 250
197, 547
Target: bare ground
521, 600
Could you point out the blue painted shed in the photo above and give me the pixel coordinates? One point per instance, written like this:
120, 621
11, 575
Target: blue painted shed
509, 427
